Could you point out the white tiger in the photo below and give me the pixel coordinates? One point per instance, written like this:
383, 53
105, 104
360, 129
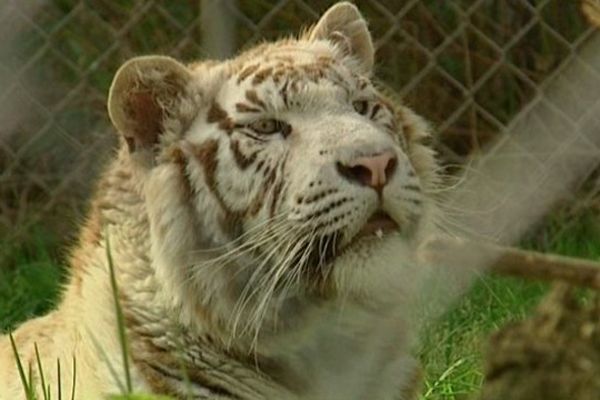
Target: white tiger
261, 214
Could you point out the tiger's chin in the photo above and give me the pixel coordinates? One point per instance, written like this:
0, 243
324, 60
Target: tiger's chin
376, 263
378, 228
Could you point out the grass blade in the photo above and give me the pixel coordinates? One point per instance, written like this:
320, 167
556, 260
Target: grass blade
26, 386
32, 395
74, 378
41, 371
111, 369
59, 379
120, 319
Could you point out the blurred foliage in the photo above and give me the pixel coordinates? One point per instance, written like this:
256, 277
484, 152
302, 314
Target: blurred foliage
467, 65
30, 278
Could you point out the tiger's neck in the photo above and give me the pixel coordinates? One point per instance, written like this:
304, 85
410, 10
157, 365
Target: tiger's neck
308, 359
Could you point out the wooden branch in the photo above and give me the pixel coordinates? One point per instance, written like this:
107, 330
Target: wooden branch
513, 262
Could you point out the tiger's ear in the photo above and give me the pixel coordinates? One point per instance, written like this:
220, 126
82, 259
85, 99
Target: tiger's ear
143, 93
343, 23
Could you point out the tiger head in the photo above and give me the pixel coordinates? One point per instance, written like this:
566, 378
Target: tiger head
278, 176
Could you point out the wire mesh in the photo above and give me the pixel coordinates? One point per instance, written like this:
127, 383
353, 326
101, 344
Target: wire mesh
469, 66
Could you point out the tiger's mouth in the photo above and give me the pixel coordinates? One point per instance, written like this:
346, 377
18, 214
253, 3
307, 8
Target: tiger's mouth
318, 256
331, 246
379, 224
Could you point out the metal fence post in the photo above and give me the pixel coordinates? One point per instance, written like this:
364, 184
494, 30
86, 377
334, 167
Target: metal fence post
218, 28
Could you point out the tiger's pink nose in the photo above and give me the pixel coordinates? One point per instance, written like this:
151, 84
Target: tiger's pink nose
374, 171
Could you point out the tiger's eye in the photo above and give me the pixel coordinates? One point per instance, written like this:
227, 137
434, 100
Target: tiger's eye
361, 106
270, 126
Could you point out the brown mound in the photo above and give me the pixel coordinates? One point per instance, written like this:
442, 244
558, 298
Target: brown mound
553, 355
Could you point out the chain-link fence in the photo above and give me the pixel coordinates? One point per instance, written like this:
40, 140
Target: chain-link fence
469, 66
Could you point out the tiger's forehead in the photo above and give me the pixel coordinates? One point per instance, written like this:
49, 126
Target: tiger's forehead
296, 64
297, 53
291, 51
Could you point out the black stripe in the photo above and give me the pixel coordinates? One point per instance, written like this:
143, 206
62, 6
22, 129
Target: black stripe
375, 110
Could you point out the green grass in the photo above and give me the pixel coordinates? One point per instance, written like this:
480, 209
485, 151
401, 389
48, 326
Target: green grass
30, 278
452, 350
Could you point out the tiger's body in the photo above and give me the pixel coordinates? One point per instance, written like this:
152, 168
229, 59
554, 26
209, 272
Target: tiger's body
261, 215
